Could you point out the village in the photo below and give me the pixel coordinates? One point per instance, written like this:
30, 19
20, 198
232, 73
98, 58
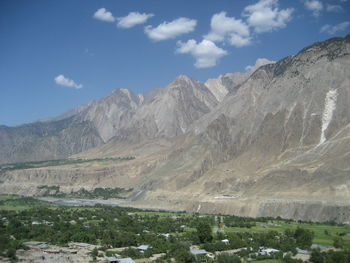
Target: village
41, 232
40, 252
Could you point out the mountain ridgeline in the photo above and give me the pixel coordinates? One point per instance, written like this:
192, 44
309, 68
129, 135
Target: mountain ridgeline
269, 142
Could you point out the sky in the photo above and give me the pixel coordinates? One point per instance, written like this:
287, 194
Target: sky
56, 55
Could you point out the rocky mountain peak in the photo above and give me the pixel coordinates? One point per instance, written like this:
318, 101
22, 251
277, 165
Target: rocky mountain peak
183, 81
124, 94
228, 82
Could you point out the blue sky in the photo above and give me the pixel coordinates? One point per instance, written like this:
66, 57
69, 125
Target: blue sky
56, 55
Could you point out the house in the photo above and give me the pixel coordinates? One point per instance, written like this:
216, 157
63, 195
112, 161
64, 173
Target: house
303, 252
83, 245
144, 247
225, 241
319, 247
112, 260
126, 260
43, 246
197, 252
267, 251
78, 245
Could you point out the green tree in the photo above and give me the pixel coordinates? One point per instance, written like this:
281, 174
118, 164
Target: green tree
181, 253
316, 257
303, 237
338, 242
204, 232
288, 259
184, 256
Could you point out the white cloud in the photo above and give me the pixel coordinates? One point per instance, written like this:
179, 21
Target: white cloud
167, 30
63, 81
239, 41
258, 63
315, 6
224, 28
265, 16
334, 8
206, 52
104, 15
133, 19
331, 30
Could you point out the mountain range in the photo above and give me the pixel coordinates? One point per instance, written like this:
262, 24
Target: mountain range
273, 141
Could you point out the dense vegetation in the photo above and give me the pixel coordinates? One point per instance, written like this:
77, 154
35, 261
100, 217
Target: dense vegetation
38, 164
169, 233
104, 193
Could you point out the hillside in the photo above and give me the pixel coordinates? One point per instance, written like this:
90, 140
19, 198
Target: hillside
274, 145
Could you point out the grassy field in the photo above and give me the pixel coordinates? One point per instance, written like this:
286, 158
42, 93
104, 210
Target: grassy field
320, 230
49, 163
17, 203
8, 197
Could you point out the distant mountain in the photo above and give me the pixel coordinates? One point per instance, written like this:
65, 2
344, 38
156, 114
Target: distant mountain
46, 140
122, 114
77, 130
273, 141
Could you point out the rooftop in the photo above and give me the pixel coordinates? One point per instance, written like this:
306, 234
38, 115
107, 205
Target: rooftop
198, 252
126, 260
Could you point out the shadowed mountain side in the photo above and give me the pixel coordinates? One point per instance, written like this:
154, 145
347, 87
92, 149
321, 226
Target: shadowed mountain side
54, 140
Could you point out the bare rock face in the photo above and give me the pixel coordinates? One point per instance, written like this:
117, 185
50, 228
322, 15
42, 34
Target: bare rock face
171, 112
111, 113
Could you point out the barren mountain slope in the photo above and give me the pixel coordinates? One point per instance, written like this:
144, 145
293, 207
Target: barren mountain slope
282, 137
172, 111
276, 146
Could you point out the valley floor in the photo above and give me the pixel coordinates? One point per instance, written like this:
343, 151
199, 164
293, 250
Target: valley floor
36, 231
